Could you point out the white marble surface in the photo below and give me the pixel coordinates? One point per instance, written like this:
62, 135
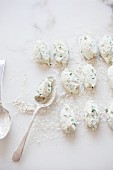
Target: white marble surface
21, 24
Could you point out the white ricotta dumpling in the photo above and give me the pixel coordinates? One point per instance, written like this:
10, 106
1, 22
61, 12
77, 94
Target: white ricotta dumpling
68, 122
110, 116
110, 76
44, 88
42, 53
106, 48
70, 81
88, 47
90, 77
60, 52
91, 116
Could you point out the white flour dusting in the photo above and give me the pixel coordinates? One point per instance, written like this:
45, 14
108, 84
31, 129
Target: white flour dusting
23, 107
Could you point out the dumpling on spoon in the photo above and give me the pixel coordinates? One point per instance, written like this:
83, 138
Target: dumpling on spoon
45, 90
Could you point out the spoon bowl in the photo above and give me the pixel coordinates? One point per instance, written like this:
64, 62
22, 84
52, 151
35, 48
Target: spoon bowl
44, 102
5, 119
5, 122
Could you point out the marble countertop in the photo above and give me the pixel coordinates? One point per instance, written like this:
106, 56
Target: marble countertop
21, 24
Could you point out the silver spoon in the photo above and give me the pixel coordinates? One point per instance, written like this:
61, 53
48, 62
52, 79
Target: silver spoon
5, 119
41, 103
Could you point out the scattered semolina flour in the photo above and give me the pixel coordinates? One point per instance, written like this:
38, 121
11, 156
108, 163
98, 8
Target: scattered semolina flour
23, 107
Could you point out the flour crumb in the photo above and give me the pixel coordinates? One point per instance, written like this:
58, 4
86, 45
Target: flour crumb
23, 107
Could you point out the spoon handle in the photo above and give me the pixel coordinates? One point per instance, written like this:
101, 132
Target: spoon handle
2, 65
18, 153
